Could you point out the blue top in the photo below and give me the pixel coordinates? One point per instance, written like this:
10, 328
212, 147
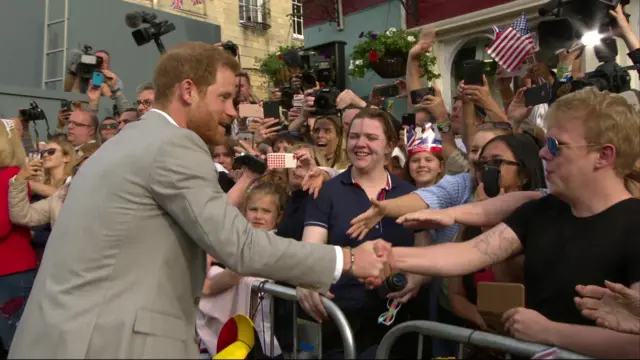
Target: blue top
339, 201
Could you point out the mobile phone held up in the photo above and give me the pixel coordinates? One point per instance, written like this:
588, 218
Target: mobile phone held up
387, 91
97, 79
473, 71
281, 161
65, 105
537, 95
271, 109
418, 95
491, 181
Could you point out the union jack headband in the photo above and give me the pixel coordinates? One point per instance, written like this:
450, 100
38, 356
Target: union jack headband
427, 141
9, 125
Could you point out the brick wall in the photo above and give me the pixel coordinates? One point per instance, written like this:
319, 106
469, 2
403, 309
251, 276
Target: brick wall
252, 43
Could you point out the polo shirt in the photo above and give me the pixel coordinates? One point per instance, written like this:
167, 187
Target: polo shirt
339, 201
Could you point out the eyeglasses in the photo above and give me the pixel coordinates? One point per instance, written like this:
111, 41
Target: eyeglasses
554, 147
481, 164
78, 124
111, 126
49, 152
145, 103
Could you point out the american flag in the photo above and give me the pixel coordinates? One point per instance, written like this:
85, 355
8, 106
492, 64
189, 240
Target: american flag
512, 45
177, 4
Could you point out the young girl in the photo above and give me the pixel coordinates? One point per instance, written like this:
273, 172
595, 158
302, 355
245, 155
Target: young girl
225, 294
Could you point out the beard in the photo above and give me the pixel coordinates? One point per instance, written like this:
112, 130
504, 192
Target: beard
206, 124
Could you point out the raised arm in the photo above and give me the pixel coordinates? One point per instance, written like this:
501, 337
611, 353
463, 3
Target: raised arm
24, 213
457, 259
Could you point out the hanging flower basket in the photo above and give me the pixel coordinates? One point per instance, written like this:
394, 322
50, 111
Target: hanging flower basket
386, 55
390, 66
272, 66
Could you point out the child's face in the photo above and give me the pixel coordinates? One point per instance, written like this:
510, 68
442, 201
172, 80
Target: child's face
262, 212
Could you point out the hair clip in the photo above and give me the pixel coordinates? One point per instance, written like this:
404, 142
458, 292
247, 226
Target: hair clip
9, 125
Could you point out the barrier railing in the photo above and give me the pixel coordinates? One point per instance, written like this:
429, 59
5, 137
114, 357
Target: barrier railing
465, 336
333, 311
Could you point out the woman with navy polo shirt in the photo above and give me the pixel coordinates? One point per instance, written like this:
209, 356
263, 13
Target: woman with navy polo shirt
371, 139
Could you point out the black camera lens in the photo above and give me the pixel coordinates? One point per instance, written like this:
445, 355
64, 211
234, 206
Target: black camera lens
396, 282
231, 48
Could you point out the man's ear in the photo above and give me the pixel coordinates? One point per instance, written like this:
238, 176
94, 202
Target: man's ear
187, 91
607, 157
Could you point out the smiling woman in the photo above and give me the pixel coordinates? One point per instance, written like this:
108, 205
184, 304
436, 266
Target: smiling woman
327, 135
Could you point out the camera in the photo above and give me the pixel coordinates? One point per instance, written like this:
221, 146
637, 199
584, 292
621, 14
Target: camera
88, 64
325, 101
393, 283
153, 31
286, 97
608, 76
230, 47
34, 112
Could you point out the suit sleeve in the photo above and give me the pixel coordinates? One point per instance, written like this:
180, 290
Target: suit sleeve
184, 184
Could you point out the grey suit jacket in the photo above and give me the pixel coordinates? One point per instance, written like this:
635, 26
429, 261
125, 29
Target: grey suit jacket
125, 263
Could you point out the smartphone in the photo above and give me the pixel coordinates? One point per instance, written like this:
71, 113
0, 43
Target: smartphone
97, 79
281, 161
473, 71
387, 91
409, 120
271, 109
250, 110
491, 181
65, 105
537, 95
251, 162
298, 101
418, 95
248, 137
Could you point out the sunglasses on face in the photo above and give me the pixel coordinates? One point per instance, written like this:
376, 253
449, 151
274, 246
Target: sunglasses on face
554, 147
145, 103
49, 152
482, 164
111, 126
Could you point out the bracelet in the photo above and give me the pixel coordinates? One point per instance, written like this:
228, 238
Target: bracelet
353, 260
115, 90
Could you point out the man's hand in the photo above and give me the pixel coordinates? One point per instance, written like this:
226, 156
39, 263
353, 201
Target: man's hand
517, 111
615, 307
479, 95
370, 260
428, 219
63, 118
311, 303
528, 325
111, 79
347, 98
93, 92
435, 105
364, 222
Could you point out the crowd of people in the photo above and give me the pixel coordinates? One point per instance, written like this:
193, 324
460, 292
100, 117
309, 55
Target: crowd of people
490, 190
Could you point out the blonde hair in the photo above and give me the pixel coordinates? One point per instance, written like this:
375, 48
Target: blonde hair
340, 160
608, 119
196, 61
11, 149
67, 150
277, 191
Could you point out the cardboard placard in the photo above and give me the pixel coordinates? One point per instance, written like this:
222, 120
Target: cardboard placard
495, 298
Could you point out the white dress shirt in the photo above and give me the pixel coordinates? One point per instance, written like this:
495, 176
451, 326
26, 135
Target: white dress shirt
339, 257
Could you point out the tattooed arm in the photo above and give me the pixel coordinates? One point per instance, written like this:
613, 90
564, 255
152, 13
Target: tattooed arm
457, 259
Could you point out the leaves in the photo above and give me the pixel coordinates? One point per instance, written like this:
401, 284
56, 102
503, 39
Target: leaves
391, 41
272, 63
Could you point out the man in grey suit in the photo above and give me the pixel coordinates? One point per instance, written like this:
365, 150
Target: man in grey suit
125, 264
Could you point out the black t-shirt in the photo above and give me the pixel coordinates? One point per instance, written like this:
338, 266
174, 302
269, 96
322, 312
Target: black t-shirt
562, 251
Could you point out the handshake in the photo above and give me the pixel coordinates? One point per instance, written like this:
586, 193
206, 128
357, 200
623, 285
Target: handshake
370, 262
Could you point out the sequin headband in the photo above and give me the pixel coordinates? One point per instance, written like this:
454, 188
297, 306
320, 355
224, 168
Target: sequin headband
427, 141
9, 125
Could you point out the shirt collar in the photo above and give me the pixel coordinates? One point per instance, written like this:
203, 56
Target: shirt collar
169, 118
348, 179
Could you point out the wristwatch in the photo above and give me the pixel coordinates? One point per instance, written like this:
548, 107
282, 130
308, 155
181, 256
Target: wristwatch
445, 127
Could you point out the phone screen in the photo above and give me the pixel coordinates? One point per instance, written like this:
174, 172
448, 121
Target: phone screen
537, 95
271, 109
97, 79
65, 105
418, 95
491, 181
387, 91
473, 71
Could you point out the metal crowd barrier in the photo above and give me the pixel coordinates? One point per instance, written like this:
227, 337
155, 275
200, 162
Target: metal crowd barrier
465, 336
333, 311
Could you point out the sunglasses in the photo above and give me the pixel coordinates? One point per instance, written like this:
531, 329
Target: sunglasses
49, 152
554, 147
111, 126
482, 164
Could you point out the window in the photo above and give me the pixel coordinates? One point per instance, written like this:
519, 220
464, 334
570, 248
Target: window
251, 11
296, 18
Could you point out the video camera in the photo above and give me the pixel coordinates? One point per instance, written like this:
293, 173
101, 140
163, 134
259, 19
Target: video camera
88, 63
230, 47
608, 76
325, 101
154, 31
32, 113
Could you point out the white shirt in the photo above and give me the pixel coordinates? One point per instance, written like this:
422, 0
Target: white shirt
339, 257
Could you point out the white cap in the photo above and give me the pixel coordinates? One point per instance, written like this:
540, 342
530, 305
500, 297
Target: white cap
400, 155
